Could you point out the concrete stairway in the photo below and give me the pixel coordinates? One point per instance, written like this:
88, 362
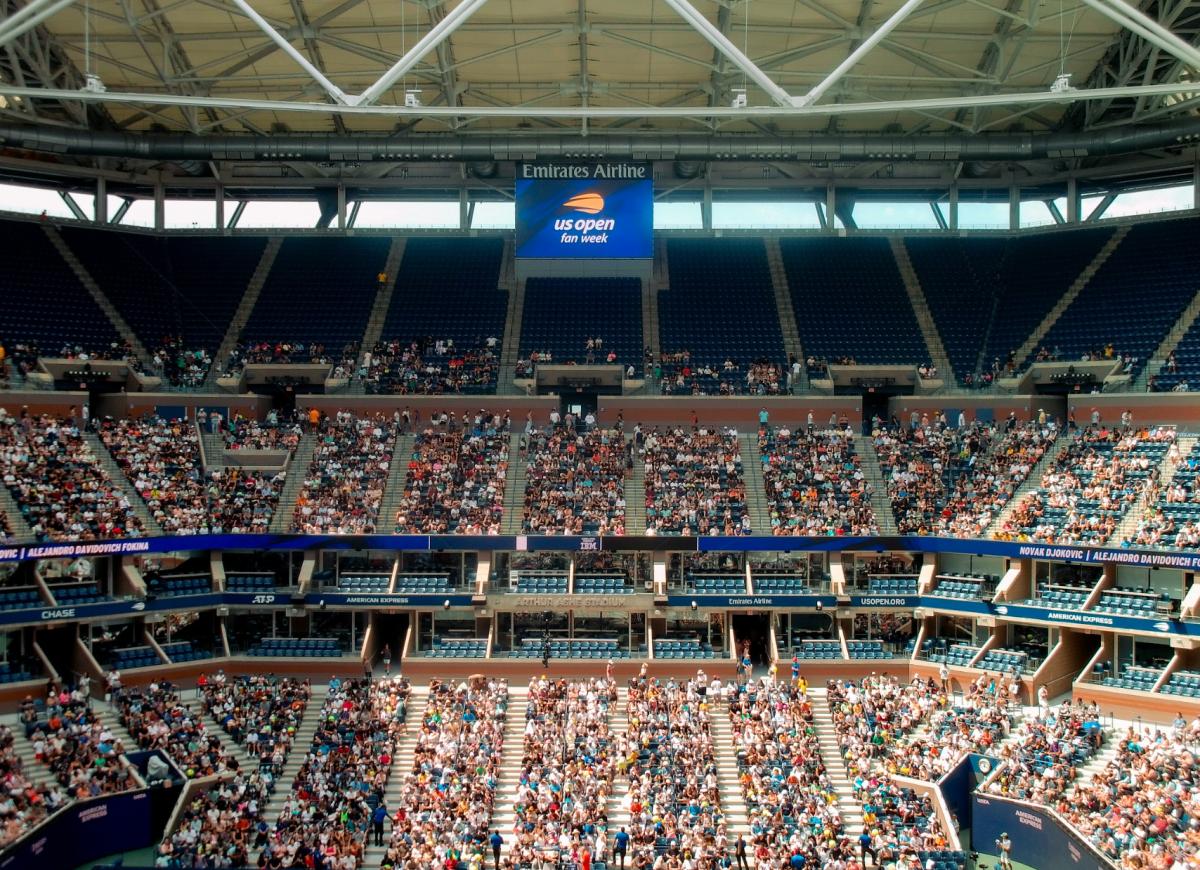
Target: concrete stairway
110, 466
756, 491
17, 523
1067, 298
510, 352
1166, 470
301, 743
247, 303
737, 817
504, 812
297, 472
393, 490
618, 724
514, 486
635, 497
869, 461
123, 328
787, 314
933, 338
1031, 484
402, 764
37, 771
848, 804
383, 298
649, 321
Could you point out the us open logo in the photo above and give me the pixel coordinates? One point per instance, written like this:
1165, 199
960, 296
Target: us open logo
586, 230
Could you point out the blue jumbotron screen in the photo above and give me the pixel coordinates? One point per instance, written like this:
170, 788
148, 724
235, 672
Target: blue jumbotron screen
585, 210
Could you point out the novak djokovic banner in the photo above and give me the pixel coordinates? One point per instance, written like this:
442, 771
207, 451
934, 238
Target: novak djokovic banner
585, 210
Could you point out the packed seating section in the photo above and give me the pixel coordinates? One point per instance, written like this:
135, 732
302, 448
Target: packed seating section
344, 483
575, 481
693, 482
814, 483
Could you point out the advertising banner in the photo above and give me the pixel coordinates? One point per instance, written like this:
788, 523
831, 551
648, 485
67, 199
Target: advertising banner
585, 210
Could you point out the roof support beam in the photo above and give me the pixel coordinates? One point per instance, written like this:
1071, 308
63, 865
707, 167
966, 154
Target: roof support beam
722, 42
30, 17
276, 37
859, 53
430, 41
1149, 29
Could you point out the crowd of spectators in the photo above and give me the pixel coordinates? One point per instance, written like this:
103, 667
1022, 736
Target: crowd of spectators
566, 772
180, 365
693, 481
670, 775
161, 458
791, 802
156, 718
678, 376
24, 803
814, 484
243, 434
258, 713
80, 750
409, 369
575, 481
327, 814
345, 481
1042, 764
446, 800
242, 502
456, 476
1093, 481
296, 352
56, 479
1142, 809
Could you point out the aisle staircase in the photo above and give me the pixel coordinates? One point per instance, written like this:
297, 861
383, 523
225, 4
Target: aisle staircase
123, 483
1031, 484
514, 486
920, 307
868, 459
37, 771
249, 299
403, 755
297, 472
848, 804
635, 497
301, 744
787, 314
383, 298
509, 778
737, 817
510, 352
18, 525
393, 490
756, 491
1166, 471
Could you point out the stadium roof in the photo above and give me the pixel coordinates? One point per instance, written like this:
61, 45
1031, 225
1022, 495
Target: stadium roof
657, 79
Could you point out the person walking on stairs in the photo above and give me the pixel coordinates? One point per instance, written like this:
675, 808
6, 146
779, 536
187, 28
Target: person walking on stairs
742, 864
497, 841
378, 818
387, 660
621, 843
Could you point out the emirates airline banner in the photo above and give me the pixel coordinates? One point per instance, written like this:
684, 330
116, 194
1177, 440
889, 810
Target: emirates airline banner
585, 210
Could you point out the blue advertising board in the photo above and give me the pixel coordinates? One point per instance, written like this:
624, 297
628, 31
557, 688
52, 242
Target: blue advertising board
585, 210
1038, 838
83, 832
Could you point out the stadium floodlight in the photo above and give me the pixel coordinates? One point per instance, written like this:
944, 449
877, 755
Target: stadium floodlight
412, 99
94, 85
1062, 84
739, 98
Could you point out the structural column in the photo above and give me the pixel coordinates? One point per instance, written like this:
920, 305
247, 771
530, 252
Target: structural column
100, 215
220, 203
1073, 201
160, 206
1196, 184
706, 209
952, 216
1014, 208
464, 210
341, 206
830, 204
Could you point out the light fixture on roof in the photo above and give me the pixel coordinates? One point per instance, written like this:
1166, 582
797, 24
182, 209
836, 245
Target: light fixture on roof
1062, 84
412, 99
93, 84
739, 98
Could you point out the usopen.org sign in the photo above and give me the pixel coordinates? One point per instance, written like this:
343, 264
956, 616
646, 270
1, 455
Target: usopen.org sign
585, 210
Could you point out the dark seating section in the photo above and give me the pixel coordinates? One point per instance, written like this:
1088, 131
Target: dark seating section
725, 281
446, 288
1139, 679
409, 583
133, 657
902, 584
778, 584
250, 583
10, 673
959, 654
1187, 362
32, 272
867, 649
1183, 683
185, 651
1129, 602
457, 648
77, 593
542, 583
819, 649
668, 648
292, 647
365, 582
715, 584
182, 584
22, 598
1060, 595
602, 584
561, 314
1005, 660
988, 295
850, 301
531, 648
187, 286
319, 290
1136, 296
967, 588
